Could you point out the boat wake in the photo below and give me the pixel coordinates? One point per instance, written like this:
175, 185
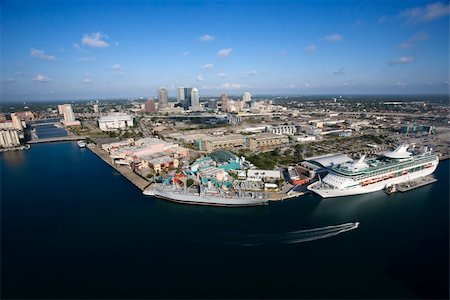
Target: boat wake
292, 237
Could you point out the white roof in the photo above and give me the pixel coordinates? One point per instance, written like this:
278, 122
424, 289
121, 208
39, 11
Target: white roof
330, 160
399, 152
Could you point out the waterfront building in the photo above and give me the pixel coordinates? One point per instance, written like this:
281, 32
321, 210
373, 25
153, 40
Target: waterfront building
247, 97
221, 142
157, 163
263, 175
266, 141
115, 121
69, 116
2, 118
6, 125
150, 105
163, 98
195, 100
9, 138
17, 123
224, 100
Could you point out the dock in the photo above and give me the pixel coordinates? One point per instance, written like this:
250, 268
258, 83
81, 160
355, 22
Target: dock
134, 178
416, 183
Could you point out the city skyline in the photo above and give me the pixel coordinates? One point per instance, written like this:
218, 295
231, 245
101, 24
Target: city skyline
74, 50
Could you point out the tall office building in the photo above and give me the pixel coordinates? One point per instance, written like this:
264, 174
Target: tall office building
187, 98
247, 97
224, 102
180, 95
163, 98
195, 99
95, 108
150, 105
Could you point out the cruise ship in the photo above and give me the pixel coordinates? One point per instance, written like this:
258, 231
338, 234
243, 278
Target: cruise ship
366, 176
204, 196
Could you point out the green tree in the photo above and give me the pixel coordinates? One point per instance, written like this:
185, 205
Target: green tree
189, 182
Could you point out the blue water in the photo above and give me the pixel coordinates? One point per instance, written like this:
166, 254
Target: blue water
72, 227
50, 131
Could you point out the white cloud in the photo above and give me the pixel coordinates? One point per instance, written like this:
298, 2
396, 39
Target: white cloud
310, 48
41, 78
221, 74
428, 13
86, 81
252, 73
402, 84
230, 85
40, 54
402, 60
334, 37
9, 80
117, 70
208, 66
95, 40
206, 38
420, 36
307, 85
292, 86
339, 72
20, 74
87, 58
199, 77
224, 52
186, 53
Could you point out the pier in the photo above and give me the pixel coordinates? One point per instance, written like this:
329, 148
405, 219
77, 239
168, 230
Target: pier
134, 178
416, 183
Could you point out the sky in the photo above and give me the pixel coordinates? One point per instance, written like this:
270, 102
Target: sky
53, 50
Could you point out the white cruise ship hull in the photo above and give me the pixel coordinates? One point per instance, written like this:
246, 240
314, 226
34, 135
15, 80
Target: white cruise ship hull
358, 189
196, 199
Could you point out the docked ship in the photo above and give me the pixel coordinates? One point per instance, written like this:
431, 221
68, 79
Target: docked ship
81, 144
366, 176
204, 196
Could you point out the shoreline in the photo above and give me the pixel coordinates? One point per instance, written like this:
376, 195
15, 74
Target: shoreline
134, 178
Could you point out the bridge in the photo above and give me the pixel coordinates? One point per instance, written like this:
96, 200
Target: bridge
57, 139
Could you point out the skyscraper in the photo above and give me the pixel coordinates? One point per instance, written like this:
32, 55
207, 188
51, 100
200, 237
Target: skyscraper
195, 100
150, 105
163, 97
17, 123
96, 108
180, 94
247, 97
187, 98
224, 102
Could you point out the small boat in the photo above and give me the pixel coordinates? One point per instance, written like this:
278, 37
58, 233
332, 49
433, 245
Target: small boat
81, 144
390, 189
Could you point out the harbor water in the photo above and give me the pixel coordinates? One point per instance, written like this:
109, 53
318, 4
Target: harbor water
72, 227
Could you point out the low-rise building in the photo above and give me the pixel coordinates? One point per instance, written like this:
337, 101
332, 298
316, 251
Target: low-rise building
263, 175
115, 122
221, 142
283, 129
266, 141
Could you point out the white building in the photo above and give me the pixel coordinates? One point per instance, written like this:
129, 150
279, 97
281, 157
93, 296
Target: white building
263, 175
69, 116
247, 97
283, 129
96, 108
17, 123
9, 138
195, 99
115, 121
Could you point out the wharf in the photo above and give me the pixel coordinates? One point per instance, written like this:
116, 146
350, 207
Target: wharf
416, 183
134, 178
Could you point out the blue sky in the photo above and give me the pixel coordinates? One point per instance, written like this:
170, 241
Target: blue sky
106, 49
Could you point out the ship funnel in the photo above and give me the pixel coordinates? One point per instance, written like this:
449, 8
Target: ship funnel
361, 159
